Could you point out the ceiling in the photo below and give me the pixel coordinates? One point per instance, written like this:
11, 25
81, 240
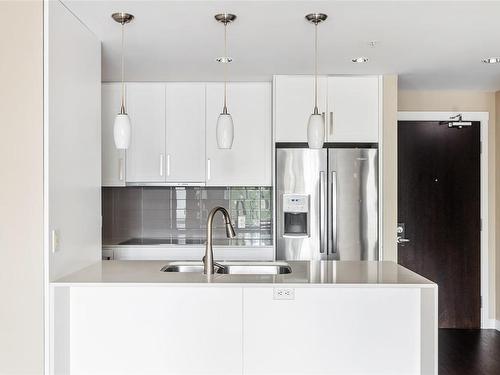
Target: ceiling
430, 44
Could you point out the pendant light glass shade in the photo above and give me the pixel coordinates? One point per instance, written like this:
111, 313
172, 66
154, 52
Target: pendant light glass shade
225, 125
316, 124
121, 131
316, 131
122, 126
225, 131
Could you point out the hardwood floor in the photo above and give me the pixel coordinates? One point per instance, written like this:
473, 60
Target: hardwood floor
469, 352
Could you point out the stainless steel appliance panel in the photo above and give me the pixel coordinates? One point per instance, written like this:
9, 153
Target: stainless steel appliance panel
353, 204
302, 172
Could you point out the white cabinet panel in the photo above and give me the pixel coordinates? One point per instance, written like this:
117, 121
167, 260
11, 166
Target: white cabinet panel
185, 132
332, 331
113, 160
248, 162
156, 330
353, 109
146, 154
294, 103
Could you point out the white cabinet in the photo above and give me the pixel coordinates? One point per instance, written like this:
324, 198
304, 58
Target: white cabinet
113, 160
332, 331
248, 162
294, 103
353, 109
155, 330
350, 105
146, 154
185, 132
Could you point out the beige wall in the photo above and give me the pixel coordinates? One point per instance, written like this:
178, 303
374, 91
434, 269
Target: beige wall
21, 197
469, 101
390, 168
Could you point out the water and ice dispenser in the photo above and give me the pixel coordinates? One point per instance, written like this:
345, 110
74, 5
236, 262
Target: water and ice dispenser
296, 215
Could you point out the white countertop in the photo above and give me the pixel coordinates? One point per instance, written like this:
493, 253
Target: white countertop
305, 273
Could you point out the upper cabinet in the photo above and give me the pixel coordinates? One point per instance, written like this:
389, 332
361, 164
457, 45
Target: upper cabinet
185, 131
248, 162
173, 138
353, 109
146, 154
113, 160
350, 105
294, 103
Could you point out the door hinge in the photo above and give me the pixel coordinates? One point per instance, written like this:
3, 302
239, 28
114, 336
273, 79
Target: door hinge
481, 147
481, 301
480, 225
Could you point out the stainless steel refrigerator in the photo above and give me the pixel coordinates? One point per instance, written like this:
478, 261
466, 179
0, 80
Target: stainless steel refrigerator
327, 204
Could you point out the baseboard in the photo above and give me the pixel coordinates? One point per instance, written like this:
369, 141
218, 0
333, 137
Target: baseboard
496, 324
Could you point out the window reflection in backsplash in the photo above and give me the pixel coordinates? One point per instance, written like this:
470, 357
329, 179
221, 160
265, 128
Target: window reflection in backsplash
181, 212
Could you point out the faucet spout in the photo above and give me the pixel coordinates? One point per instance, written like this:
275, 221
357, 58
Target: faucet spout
208, 259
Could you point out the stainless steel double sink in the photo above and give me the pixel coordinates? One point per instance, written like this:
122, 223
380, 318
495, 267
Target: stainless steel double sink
232, 268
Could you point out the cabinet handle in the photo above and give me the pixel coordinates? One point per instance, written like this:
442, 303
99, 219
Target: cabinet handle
208, 169
120, 169
168, 164
161, 164
331, 123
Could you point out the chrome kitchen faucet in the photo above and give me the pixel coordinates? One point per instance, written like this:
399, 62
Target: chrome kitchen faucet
208, 259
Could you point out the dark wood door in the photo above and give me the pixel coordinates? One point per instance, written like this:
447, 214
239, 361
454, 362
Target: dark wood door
439, 203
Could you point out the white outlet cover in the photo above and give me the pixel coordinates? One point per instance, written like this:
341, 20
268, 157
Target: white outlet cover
284, 293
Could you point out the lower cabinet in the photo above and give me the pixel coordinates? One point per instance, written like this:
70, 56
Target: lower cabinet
230, 329
141, 330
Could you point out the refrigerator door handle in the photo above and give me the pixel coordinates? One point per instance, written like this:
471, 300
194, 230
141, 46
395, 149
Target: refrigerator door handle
333, 213
322, 213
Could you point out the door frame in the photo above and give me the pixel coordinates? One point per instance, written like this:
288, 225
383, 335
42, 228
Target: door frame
483, 118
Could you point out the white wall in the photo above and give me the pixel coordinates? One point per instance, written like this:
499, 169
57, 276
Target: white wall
21, 187
74, 141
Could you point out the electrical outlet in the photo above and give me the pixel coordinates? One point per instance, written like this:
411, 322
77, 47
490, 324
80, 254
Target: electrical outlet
284, 293
241, 222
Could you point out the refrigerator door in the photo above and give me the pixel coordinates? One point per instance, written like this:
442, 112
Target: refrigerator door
301, 204
353, 204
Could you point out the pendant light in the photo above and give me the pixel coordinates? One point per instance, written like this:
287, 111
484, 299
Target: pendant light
316, 125
121, 130
225, 126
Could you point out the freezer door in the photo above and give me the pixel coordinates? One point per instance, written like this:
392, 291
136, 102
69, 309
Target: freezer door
353, 204
301, 204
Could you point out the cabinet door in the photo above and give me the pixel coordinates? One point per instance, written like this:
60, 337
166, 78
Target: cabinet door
112, 160
155, 330
248, 162
353, 109
146, 154
332, 331
185, 132
294, 103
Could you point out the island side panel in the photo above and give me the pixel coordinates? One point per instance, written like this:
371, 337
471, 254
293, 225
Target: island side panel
150, 330
429, 330
342, 330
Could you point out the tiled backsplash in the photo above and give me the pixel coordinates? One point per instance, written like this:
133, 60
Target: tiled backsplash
181, 212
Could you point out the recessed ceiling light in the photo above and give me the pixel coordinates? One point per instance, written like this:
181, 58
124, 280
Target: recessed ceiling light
360, 60
491, 60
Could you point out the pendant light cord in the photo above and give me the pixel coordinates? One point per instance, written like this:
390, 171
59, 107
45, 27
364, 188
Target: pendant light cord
316, 68
224, 109
122, 109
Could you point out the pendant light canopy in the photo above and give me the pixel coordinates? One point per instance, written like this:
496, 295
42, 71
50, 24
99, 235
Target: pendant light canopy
316, 125
225, 126
122, 127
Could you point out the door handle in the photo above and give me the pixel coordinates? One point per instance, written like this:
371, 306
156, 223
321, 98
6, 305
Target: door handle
333, 213
120, 169
401, 241
330, 119
161, 164
322, 213
168, 164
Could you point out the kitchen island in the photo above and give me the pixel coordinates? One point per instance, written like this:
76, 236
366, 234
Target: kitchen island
325, 317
